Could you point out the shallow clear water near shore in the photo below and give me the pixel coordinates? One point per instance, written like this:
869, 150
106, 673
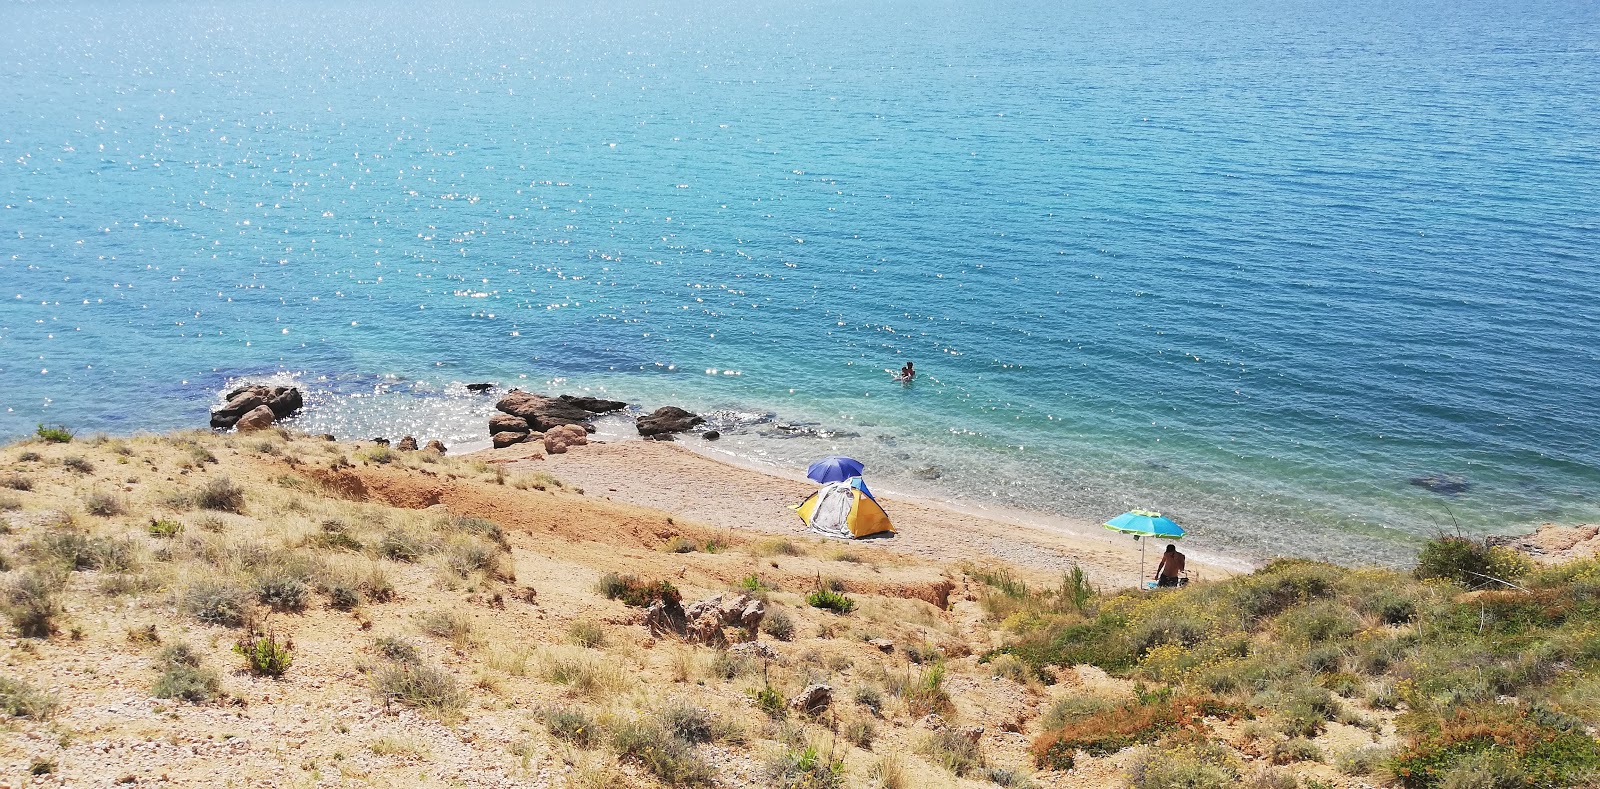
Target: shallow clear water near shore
1257, 265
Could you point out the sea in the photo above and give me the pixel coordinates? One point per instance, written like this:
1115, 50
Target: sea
1313, 278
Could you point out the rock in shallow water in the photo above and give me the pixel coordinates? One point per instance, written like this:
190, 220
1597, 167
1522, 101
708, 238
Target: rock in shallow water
1448, 484
667, 419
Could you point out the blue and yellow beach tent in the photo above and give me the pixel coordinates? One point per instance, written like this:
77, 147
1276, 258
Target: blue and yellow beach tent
844, 509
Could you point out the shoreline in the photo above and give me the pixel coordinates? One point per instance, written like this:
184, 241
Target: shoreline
718, 492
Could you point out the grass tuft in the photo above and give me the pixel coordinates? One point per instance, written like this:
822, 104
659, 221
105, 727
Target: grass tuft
19, 699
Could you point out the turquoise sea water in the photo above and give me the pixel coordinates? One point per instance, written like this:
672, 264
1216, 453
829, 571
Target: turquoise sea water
1255, 264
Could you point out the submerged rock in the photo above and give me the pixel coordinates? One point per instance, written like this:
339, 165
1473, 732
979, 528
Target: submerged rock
1448, 484
667, 419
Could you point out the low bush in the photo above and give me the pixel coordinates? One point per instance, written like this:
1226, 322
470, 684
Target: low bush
1110, 730
419, 686
53, 435
403, 545
16, 481
572, 724
804, 768
397, 649
953, 751
637, 593
587, 634
282, 593
19, 699
830, 600
103, 504
656, 749
582, 672
860, 732
1498, 742
1298, 749
77, 550
1471, 563
925, 694
778, 624
1189, 765
33, 601
77, 464
183, 676
447, 624
165, 529
1361, 760
265, 654
216, 601
344, 598
220, 494
770, 701
680, 545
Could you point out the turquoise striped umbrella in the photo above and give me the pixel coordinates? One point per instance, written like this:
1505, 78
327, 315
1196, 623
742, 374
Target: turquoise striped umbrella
1141, 524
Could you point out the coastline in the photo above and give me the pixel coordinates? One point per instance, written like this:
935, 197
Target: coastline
693, 484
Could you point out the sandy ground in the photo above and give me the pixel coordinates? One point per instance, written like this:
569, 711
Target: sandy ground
671, 478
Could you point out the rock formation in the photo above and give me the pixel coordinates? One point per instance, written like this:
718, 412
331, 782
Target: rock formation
812, 700
479, 387
708, 621
557, 439
540, 413
667, 419
407, 444
435, 445
507, 423
259, 418
506, 439
281, 400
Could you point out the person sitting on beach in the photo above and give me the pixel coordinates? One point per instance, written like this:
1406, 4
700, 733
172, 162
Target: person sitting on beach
1171, 566
908, 372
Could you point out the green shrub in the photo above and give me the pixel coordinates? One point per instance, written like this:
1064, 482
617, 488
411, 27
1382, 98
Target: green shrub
344, 598
397, 649
19, 699
33, 601
572, 724
662, 753
282, 593
690, 723
404, 546
925, 695
830, 600
334, 535
165, 529
77, 550
1298, 749
465, 556
265, 654
218, 602
778, 624
1192, 765
1361, 760
1499, 743
184, 677
770, 701
420, 686
804, 768
53, 435
1470, 562
635, 592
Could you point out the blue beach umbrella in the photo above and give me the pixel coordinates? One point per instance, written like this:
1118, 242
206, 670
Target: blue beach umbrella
1141, 524
835, 468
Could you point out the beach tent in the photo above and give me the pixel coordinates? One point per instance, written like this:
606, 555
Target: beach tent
844, 509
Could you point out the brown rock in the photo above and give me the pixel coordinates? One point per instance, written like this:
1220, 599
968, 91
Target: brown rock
882, 644
503, 440
435, 446
812, 700
667, 419
543, 413
283, 400
260, 418
708, 621
407, 444
507, 423
557, 439
594, 405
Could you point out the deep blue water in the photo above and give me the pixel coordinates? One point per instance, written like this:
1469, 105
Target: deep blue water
1255, 264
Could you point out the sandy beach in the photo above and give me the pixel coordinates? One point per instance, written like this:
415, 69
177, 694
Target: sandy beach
668, 476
